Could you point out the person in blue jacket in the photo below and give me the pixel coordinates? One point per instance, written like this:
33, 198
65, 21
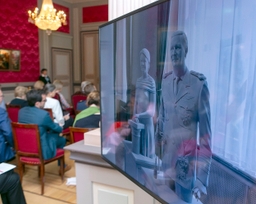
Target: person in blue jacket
6, 139
49, 131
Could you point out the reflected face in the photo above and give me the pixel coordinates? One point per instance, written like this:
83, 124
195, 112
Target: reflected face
178, 53
144, 64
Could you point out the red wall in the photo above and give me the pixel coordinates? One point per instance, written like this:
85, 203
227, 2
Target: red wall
63, 28
16, 33
95, 14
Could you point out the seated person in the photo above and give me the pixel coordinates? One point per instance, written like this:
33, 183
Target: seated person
20, 96
54, 104
43, 77
49, 131
2, 103
6, 139
81, 92
63, 102
89, 87
11, 189
90, 117
38, 85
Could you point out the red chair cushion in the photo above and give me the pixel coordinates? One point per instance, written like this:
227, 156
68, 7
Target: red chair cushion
32, 160
65, 131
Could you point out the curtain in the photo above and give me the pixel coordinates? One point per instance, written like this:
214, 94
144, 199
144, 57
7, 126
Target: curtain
118, 8
222, 45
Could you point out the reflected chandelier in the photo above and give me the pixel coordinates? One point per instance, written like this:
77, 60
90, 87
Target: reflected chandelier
48, 19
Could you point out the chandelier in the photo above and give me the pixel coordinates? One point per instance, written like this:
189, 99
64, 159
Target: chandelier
48, 19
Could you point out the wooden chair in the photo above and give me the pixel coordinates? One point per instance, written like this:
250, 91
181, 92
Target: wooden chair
28, 149
77, 134
75, 98
49, 110
13, 112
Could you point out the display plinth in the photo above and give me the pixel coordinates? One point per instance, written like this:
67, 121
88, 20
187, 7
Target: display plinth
98, 182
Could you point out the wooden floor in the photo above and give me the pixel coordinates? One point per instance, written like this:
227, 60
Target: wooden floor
55, 191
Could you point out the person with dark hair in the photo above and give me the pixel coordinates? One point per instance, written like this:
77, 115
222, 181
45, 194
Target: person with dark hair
183, 129
11, 189
6, 139
90, 117
54, 104
49, 131
43, 77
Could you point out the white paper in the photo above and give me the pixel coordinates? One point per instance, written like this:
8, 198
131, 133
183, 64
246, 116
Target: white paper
71, 181
4, 167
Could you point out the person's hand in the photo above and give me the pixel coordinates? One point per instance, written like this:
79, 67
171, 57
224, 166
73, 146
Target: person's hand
66, 117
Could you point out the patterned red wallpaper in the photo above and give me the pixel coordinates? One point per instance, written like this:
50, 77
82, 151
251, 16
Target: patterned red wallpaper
95, 14
65, 28
16, 33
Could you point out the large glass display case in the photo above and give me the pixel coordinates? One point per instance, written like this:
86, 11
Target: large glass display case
177, 99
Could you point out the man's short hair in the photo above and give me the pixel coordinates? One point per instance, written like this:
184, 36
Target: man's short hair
89, 88
44, 69
34, 96
183, 38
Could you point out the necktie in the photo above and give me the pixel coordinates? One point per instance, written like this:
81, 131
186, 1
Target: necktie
176, 85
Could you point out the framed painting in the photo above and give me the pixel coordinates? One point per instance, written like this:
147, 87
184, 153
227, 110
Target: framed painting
15, 60
5, 59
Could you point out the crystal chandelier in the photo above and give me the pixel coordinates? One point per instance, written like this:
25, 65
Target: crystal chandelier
48, 19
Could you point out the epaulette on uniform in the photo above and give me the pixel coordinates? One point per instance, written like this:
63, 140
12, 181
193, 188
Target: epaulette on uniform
167, 74
200, 76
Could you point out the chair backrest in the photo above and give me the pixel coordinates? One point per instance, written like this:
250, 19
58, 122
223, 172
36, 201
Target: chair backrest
27, 140
77, 134
49, 110
57, 97
13, 112
75, 98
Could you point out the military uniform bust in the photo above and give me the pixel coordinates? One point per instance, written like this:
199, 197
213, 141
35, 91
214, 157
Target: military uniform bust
185, 109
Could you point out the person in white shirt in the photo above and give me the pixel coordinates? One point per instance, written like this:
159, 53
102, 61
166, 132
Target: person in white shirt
64, 121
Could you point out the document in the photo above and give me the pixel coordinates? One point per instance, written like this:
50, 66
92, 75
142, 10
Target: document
4, 167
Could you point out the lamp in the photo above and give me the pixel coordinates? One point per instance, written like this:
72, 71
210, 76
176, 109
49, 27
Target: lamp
48, 19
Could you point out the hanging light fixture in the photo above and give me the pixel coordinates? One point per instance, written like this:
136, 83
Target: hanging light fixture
48, 19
